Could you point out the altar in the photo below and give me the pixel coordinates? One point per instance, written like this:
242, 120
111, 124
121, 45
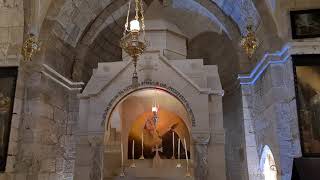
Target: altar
169, 126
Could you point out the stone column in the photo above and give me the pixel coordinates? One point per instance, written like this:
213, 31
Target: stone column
201, 141
89, 160
96, 172
201, 171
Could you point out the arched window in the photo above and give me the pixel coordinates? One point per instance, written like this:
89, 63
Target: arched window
268, 165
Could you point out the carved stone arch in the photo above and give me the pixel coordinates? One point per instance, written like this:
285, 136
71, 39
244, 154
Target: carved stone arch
194, 139
147, 85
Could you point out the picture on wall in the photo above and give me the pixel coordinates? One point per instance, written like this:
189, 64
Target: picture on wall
307, 81
8, 77
305, 24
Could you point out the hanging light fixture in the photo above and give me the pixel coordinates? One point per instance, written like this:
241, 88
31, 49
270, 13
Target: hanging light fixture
249, 42
132, 42
30, 47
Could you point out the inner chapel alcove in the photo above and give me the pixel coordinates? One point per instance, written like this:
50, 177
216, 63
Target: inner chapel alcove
113, 113
129, 122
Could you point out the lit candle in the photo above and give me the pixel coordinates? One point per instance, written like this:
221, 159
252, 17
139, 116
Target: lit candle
172, 144
133, 149
179, 148
179, 164
141, 157
142, 142
185, 149
121, 154
134, 25
133, 165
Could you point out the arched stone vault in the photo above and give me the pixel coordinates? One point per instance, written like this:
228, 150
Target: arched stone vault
83, 33
73, 27
78, 22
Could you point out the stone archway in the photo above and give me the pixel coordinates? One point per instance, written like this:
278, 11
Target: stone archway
147, 85
128, 119
268, 165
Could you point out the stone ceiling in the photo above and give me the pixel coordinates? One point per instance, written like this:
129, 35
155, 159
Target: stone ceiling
75, 16
94, 27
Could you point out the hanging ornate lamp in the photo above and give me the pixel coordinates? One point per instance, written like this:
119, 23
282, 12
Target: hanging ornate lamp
30, 47
249, 42
133, 41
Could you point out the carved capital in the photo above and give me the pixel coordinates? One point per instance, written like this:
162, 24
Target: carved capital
95, 140
201, 137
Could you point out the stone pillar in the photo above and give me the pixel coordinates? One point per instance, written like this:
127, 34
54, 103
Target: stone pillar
201, 141
201, 170
89, 161
253, 163
96, 172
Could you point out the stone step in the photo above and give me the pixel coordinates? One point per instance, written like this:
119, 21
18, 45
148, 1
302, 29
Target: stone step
144, 170
147, 178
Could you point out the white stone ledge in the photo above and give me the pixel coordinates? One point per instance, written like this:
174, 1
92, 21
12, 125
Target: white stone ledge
63, 81
280, 57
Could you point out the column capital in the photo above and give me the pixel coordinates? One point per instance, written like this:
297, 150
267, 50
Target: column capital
201, 137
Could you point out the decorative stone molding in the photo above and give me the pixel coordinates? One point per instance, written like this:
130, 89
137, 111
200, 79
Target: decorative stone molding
58, 78
280, 57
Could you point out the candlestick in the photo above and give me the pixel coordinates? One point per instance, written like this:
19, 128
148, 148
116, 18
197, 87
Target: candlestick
133, 165
173, 145
122, 167
186, 151
178, 164
121, 154
141, 157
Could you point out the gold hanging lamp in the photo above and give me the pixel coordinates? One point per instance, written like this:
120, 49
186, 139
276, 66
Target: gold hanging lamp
249, 42
30, 47
132, 42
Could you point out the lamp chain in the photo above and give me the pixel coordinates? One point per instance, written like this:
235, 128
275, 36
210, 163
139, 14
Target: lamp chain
135, 81
127, 21
142, 19
137, 10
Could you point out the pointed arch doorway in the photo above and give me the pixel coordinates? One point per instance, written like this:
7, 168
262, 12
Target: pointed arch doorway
268, 164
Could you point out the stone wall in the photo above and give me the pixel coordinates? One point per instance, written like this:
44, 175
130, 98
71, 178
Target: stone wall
235, 142
11, 31
41, 145
270, 118
46, 146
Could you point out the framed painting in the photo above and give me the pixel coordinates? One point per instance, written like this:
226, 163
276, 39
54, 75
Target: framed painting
305, 23
307, 85
8, 78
